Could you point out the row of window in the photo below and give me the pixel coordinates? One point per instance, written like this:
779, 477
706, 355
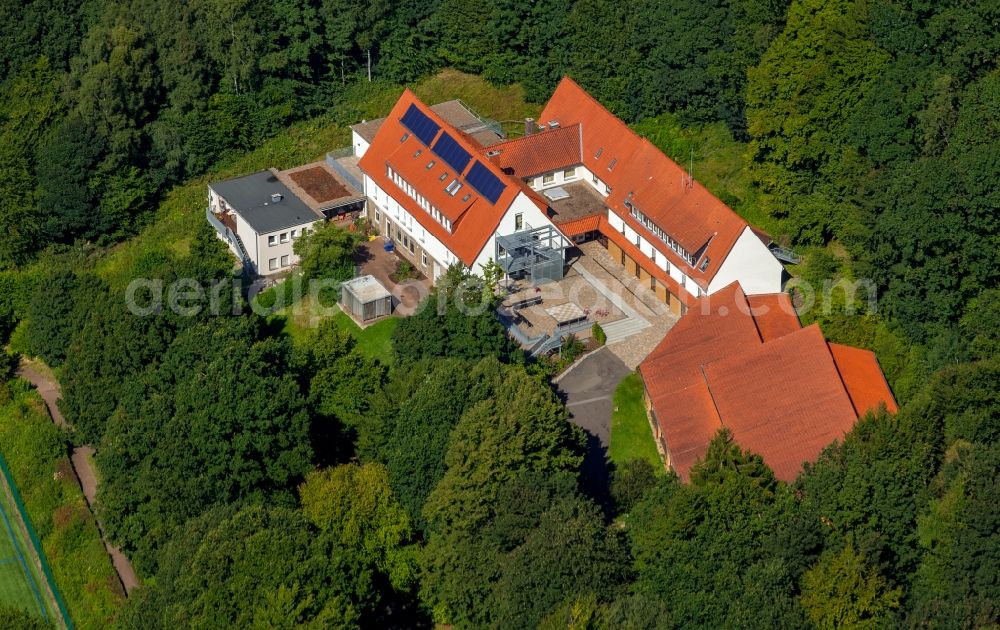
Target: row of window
568, 175
422, 201
274, 239
660, 234
273, 263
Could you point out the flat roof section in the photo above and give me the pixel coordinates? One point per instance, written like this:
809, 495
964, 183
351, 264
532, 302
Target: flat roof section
318, 185
454, 112
366, 289
250, 196
580, 201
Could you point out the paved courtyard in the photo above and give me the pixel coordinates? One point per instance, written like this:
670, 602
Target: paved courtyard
375, 261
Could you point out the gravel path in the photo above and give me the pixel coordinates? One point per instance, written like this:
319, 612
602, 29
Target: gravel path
83, 466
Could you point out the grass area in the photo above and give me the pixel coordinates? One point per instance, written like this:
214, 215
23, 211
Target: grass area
717, 161
20, 583
374, 341
36, 451
631, 436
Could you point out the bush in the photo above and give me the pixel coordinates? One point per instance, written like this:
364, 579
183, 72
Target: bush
8, 365
630, 482
598, 334
404, 271
572, 348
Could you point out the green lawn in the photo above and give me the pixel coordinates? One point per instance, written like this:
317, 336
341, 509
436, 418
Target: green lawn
373, 341
20, 584
631, 437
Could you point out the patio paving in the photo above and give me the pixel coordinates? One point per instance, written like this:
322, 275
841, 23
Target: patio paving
375, 261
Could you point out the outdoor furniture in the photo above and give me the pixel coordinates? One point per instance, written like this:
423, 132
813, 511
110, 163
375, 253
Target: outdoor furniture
526, 302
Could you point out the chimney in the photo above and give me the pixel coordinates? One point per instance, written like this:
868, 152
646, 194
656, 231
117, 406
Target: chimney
275, 197
530, 126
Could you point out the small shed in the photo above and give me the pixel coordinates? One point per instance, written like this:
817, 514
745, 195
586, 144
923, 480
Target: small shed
365, 299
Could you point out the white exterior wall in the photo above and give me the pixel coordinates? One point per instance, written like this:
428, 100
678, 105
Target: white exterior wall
532, 217
558, 178
752, 263
266, 252
408, 223
647, 248
360, 144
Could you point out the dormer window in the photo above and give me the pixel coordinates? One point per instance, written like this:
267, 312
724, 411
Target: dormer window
405, 137
443, 177
704, 264
453, 187
430, 165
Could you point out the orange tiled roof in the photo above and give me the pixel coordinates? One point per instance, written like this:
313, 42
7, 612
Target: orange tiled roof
474, 219
640, 173
782, 399
537, 153
580, 226
863, 378
774, 315
781, 389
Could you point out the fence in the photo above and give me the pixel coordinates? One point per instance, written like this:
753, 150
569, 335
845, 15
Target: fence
35, 543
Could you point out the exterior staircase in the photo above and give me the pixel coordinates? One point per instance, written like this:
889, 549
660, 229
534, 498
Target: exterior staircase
624, 328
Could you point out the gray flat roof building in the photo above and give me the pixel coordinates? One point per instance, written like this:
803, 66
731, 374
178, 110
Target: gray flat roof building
254, 198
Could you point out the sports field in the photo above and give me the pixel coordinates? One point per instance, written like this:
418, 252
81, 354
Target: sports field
20, 584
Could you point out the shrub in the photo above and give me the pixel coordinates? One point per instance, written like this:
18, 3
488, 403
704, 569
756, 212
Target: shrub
630, 481
598, 334
572, 348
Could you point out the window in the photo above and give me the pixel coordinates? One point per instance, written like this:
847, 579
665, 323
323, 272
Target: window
423, 259
443, 177
612, 165
272, 264
430, 165
284, 260
272, 240
453, 187
597, 182
599, 152
518, 222
295, 234
404, 138
652, 254
569, 173
284, 237
704, 263
548, 178
417, 152
607, 189
637, 242
652, 283
466, 197
378, 217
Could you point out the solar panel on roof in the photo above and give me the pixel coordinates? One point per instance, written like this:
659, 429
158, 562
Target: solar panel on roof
421, 126
451, 152
488, 184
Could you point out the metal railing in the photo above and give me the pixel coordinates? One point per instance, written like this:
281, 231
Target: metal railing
332, 161
232, 237
786, 255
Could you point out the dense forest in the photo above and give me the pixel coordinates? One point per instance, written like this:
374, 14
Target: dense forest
259, 480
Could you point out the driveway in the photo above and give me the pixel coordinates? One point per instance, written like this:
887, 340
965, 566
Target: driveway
588, 388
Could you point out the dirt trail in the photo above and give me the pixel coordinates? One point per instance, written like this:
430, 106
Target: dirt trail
83, 466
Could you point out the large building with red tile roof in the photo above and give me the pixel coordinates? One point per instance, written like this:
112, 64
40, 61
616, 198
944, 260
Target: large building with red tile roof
746, 364
579, 169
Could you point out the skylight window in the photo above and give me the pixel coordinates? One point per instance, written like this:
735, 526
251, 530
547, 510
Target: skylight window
466, 197
417, 152
599, 152
443, 177
453, 187
430, 164
405, 137
612, 165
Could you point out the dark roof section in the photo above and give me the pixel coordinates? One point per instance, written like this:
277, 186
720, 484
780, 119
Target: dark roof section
250, 197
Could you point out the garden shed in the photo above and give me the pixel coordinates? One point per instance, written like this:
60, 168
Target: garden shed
365, 299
